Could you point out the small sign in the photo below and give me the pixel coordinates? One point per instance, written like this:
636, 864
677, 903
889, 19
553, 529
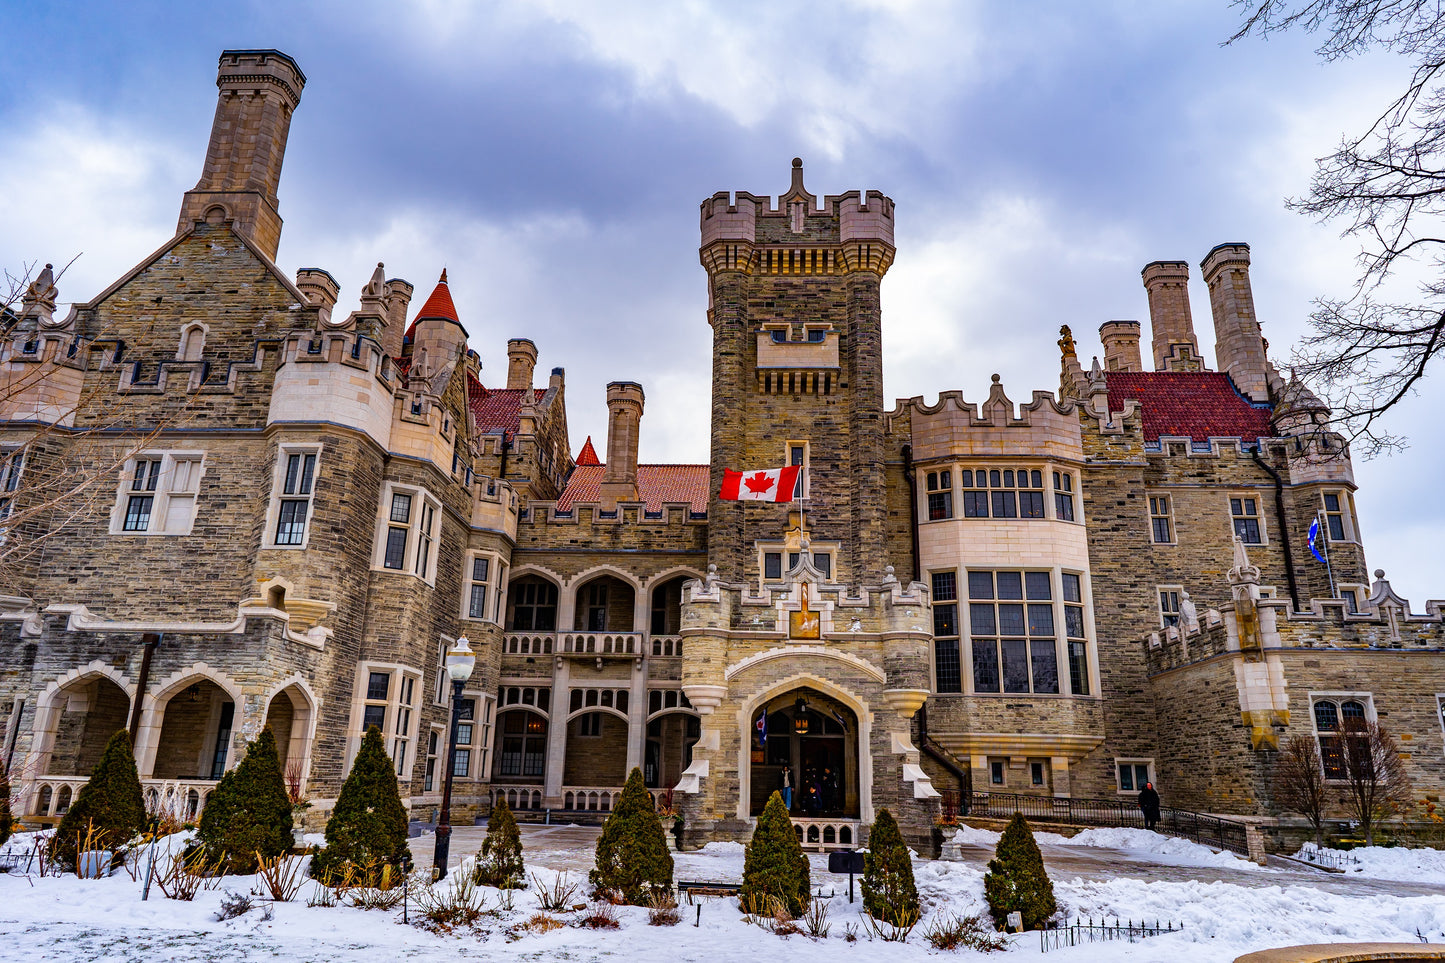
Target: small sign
845, 861
1016, 921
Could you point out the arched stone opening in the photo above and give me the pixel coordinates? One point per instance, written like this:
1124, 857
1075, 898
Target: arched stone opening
809, 742
604, 604
596, 748
521, 754
671, 736
531, 604
666, 608
289, 717
197, 720
83, 716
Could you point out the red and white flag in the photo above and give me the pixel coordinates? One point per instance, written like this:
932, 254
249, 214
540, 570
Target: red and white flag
766, 485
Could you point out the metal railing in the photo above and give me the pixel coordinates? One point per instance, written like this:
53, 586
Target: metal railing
1079, 933
1202, 828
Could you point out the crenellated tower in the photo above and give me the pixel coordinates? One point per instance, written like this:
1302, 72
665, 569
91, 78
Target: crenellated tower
797, 366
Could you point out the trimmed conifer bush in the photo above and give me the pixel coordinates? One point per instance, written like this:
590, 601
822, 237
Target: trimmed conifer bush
109, 807
889, 893
249, 811
499, 861
6, 820
632, 856
1016, 881
774, 865
367, 829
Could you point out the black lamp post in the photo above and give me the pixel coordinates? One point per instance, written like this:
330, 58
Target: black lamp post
460, 661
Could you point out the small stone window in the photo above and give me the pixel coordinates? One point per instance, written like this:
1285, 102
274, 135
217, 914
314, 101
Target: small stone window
12, 464
947, 669
483, 574
940, 495
1244, 509
1169, 605
157, 494
1002, 492
1133, 774
1161, 520
1339, 512
408, 531
1064, 496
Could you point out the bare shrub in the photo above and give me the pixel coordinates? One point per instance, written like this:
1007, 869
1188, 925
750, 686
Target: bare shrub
600, 916
542, 923
556, 897
184, 875
232, 906
449, 905
950, 932
282, 876
815, 919
895, 931
1299, 782
662, 908
1376, 783
850, 932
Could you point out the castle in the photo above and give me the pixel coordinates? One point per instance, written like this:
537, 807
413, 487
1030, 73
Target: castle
291, 516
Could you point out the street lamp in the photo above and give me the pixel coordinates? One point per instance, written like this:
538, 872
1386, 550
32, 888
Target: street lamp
460, 662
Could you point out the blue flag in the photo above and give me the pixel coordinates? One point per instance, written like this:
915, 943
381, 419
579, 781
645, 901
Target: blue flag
1315, 540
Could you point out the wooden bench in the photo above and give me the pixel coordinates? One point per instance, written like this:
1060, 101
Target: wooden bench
691, 888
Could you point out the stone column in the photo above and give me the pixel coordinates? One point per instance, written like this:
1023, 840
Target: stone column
557, 735
637, 714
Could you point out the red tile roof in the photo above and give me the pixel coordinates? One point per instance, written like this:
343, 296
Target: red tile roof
1195, 405
656, 484
588, 454
497, 409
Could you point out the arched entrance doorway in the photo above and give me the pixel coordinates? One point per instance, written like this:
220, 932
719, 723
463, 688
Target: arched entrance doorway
808, 741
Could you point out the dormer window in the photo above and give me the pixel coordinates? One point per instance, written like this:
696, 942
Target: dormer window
816, 335
780, 336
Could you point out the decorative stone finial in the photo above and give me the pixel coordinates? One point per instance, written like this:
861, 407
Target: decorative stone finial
39, 299
1242, 572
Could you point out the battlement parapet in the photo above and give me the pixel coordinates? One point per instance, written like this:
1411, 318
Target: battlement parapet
627, 513
341, 377
955, 426
495, 506
797, 215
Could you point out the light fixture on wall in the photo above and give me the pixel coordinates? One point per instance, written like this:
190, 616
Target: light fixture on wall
801, 720
194, 692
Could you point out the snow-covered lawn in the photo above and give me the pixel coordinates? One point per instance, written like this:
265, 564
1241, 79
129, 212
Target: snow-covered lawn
63, 918
1378, 862
1156, 847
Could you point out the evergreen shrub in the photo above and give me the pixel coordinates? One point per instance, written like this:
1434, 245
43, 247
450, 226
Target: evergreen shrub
367, 829
632, 856
110, 805
1016, 881
774, 865
249, 811
889, 893
499, 861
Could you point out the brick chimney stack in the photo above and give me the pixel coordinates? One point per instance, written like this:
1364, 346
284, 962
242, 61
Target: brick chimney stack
1238, 343
1121, 346
624, 413
521, 361
1174, 345
259, 91
397, 300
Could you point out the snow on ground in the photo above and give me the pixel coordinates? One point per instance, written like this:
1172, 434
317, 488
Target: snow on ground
1380, 862
63, 918
1138, 843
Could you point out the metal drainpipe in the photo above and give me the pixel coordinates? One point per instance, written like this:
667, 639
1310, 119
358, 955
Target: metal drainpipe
911, 476
1281, 524
150, 640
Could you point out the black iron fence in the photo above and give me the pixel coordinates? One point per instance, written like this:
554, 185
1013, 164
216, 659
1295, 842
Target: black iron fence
1079, 933
1197, 827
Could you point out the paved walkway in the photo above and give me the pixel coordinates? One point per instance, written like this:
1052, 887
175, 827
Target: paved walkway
571, 848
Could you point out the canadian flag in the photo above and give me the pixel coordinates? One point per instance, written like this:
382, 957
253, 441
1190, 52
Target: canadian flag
765, 485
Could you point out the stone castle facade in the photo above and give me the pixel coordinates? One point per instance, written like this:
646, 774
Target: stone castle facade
292, 516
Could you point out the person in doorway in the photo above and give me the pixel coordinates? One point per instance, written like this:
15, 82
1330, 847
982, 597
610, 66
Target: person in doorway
788, 788
1149, 805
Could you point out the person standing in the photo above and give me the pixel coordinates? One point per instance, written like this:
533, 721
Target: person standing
1149, 805
788, 787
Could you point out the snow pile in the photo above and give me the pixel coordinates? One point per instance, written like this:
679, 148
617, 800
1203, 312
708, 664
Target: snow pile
972, 836
1165, 849
1380, 862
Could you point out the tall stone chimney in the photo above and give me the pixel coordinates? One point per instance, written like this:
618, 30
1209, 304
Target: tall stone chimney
1174, 345
624, 412
1238, 343
259, 90
521, 360
1121, 346
397, 300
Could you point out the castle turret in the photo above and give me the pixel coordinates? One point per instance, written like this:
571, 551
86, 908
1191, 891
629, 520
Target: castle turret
1238, 343
1121, 346
521, 360
624, 415
320, 289
1174, 344
398, 299
259, 91
438, 338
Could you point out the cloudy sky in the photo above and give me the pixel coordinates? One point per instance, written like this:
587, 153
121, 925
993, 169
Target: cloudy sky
552, 155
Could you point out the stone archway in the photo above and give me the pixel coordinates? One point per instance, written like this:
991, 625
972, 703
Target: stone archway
809, 742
